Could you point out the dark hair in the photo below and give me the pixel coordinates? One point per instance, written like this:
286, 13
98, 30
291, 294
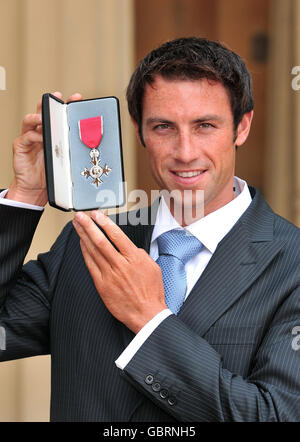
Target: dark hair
193, 59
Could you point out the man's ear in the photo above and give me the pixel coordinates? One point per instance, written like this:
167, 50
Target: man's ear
243, 128
138, 132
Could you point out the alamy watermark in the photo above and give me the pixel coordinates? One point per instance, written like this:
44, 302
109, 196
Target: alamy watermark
2, 338
2, 79
187, 206
296, 339
296, 80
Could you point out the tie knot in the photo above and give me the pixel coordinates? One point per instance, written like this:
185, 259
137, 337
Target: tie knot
179, 243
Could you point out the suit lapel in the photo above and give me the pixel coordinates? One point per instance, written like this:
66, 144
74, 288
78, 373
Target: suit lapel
240, 258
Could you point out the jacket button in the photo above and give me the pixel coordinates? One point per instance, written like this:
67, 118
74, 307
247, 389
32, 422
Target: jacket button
163, 393
172, 401
149, 379
156, 386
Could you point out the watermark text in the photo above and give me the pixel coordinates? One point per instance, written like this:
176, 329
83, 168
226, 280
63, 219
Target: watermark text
2, 79
2, 338
296, 339
186, 206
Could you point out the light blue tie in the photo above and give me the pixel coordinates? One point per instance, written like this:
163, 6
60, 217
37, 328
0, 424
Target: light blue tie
176, 248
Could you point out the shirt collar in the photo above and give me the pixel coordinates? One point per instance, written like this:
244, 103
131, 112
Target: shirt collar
212, 228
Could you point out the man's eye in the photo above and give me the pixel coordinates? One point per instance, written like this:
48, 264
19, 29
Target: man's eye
162, 126
205, 125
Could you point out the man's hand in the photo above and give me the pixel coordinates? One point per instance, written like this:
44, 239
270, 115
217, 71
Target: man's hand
128, 280
29, 183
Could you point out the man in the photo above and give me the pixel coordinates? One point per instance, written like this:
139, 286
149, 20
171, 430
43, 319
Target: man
123, 345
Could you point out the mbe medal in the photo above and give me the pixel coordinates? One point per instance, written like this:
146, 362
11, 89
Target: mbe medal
90, 133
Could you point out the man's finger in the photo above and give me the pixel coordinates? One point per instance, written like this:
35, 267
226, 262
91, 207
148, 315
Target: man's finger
95, 241
94, 270
116, 235
28, 139
57, 95
31, 122
74, 97
85, 239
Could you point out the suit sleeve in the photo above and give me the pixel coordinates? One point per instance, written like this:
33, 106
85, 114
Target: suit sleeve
183, 374
25, 291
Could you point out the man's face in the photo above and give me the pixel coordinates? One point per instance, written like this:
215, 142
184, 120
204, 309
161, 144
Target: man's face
188, 131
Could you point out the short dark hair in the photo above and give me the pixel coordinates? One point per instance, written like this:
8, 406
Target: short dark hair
193, 58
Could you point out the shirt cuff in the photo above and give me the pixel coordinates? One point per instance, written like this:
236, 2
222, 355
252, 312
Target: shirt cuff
140, 338
14, 203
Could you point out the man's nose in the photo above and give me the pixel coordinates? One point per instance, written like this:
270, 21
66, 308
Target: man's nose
186, 149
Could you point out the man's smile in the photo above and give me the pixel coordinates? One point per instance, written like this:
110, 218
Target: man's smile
188, 176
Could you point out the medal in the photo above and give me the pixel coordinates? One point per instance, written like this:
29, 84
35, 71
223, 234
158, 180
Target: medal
90, 133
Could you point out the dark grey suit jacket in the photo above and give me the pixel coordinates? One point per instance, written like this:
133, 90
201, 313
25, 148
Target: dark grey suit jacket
227, 356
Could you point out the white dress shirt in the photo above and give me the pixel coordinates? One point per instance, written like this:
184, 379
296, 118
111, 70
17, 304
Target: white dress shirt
14, 203
210, 230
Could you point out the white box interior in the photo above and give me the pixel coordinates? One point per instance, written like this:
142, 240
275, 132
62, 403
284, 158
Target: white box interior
60, 153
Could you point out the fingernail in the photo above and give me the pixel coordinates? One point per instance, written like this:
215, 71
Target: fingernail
78, 216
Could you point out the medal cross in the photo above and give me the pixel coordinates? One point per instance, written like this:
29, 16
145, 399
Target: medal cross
96, 171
